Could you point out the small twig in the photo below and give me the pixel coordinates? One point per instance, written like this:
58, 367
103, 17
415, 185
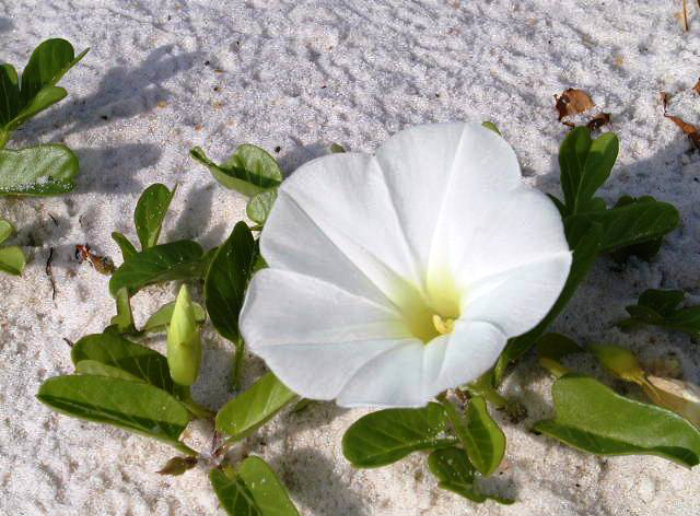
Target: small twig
49, 273
69, 342
685, 16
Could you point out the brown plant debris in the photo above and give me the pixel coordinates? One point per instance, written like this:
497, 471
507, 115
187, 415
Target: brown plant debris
102, 264
598, 121
688, 128
572, 102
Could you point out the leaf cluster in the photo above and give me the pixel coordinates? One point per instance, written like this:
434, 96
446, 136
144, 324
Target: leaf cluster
122, 382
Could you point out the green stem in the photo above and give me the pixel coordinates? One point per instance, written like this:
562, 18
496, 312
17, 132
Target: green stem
238, 361
484, 386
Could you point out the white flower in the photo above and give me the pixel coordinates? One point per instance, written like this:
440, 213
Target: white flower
394, 277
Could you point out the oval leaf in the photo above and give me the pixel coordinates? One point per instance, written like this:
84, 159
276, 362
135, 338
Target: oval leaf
137, 407
234, 495
386, 436
227, 278
150, 212
12, 260
259, 206
269, 494
160, 320
135, 359
166, 262
40, 170
483, 439
243, 415
455, 473
593, 418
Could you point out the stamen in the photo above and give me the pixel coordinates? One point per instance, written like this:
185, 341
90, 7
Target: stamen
443, 325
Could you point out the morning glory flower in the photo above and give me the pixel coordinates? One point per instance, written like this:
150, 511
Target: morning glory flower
396, 276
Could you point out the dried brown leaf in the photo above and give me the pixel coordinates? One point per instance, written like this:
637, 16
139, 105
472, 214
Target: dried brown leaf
688, 128
178, 465
598, 121
573, 102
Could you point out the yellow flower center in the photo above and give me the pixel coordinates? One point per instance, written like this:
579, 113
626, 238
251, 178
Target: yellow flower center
443, 325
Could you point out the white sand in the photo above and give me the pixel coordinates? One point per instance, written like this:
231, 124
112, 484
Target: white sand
300, 75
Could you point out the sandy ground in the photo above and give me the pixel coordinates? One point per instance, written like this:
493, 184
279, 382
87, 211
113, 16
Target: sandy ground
163, 76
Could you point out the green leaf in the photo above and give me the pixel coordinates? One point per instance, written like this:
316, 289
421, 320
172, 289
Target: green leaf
9, 94
225, 285
39, 170
480, 435
556, 346
95, 368
491, 126
234, 495
645, 250
593, 418
160, 320
454, 473
259, 206
150, 213
659, 308
44, 99
635, 224
584, 238
137, 407
124, 320
243, 415
127, 248
6, 230
184, 342
165, 262
250, 170
336, 148
12, 260
268, 493
135, 359
387, 436
48, 63
585, 166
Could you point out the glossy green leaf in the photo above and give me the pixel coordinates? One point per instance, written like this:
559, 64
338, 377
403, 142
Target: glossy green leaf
250, 170
235, 497
227, 278
48, 63
259, 206
150, 213
9, 95
44, 99
137, 407
659, 308
160, 320
135, 359
593, 418
95, 368
12, 260
635, 224
584, 238
455, 473
387, 436
40, 170
165, 262
243, 415
336, 148
268, 493
585, 166
645, 250
480, 435
125, 246
184, 341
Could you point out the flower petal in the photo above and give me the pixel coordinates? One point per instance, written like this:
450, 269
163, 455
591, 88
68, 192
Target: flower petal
313, 335
334, 220
423, 164
519, 298
412, 374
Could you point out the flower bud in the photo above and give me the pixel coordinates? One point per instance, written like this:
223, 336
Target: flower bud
184, 344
